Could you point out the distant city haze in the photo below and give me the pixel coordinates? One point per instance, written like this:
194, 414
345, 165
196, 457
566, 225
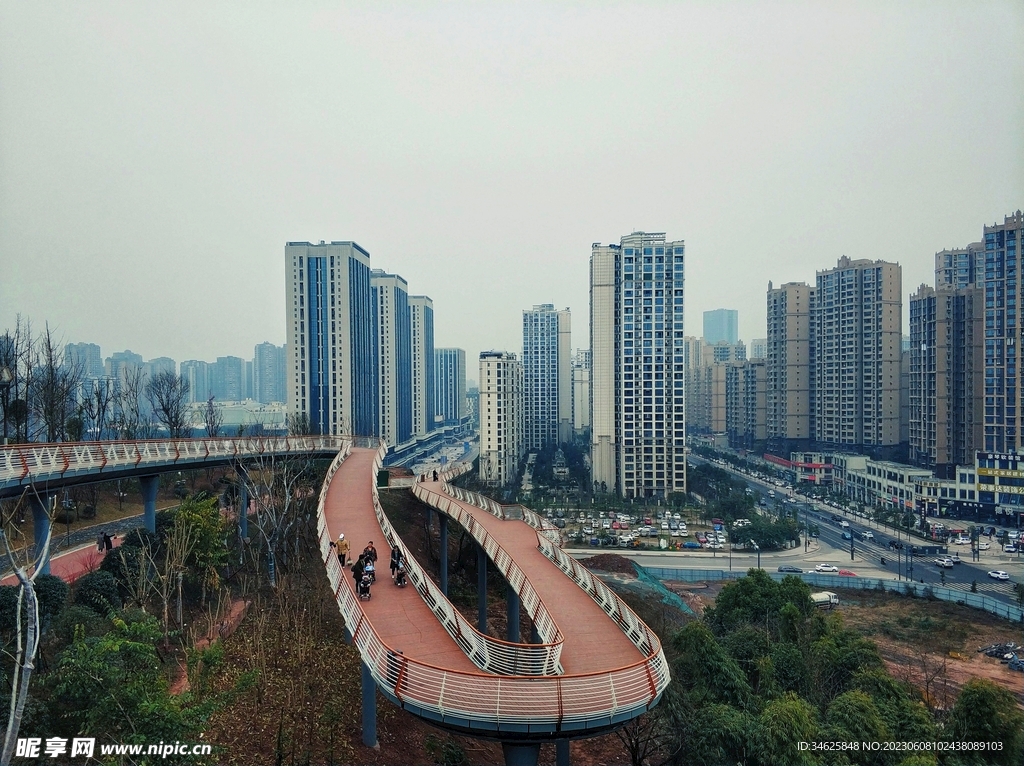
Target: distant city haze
155, 159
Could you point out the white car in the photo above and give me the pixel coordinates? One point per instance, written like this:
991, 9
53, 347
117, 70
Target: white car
983, 546
946, 562
999, 575
1010, 548
844, 524
826, 568
867, 534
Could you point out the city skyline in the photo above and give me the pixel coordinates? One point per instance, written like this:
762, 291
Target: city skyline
113, 176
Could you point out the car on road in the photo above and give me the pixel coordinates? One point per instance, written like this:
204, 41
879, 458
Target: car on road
955, 558
844, 524
789, 568
847, 536
847, 573
867, 534
945, 562
999, 574
826, 568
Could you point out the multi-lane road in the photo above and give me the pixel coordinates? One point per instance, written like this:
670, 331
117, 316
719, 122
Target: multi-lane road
834, 549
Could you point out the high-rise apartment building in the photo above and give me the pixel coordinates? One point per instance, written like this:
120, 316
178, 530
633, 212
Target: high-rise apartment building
723, 352
858, 333
158, 365
268, 373
638, 421
197, 374
946, 374
500, 406
227, 379
449, 385
960, 267
120, 361
745, 403
87, 357
722, 326
421, 316
581, 391
331, 372
394, 356
758, 349
790, 368
1004, 389
547, 376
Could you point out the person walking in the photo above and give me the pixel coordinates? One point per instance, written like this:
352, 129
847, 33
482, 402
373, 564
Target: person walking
357, 570
99, 542
397, 560
342, 547
370, 553
108, 542
435, 475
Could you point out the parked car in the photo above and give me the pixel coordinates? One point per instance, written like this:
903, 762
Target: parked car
788, 568
999, 575
1009, 548
691, 544
826, 568
983, 546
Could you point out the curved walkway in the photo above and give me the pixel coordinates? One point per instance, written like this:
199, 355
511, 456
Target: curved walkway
421, 658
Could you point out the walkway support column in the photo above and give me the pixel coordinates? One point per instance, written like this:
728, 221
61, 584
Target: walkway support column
512, 600
41, 525
561, 752
369, 707
520, 754
149, 484
442, 522
481, 589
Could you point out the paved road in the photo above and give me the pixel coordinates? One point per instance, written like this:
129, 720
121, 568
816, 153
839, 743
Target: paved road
867, 554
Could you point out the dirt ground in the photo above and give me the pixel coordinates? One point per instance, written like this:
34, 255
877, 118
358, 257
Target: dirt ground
930, 644
933, 644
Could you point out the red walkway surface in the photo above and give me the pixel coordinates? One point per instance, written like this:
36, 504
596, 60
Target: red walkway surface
398, 615
71, 565
593, 642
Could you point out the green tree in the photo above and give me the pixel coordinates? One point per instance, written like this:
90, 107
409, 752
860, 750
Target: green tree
853, 717
985, 712
209, 550
792, 673
114, 686
901, 710
782, 724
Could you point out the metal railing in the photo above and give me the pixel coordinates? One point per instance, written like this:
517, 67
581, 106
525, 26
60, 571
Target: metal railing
36, 463
504, 512
551, 637
485, 701
488, 653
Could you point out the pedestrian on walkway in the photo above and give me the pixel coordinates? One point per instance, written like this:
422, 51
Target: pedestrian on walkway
342, 548
435, 475
108, 542
357, 570
370, 553
99, 542
397, 560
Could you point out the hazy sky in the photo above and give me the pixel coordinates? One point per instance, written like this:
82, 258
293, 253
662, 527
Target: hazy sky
154, 158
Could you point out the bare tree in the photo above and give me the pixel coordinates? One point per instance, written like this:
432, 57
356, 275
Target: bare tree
27, 647
214, 418
282, 491
97, 408
18, 355
298, 424
167, 394
129, 419
54, 387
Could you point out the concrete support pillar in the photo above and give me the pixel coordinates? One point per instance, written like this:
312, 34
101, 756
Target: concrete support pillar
561, 752
369, 707
149, 484
520, 754
442, 522
41, 524
481, 589
512, 600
